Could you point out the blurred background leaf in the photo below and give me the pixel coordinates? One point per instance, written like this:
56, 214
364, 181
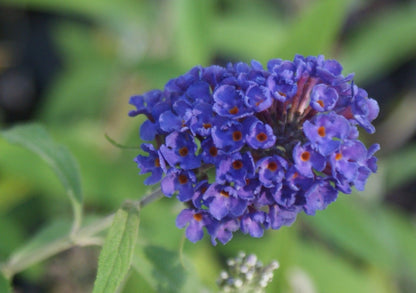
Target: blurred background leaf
4, 284
401, 167
382, 44
44, 244
314, 31
165, 270
35, 138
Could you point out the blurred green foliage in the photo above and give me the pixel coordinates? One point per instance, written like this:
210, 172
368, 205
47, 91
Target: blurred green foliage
359, 244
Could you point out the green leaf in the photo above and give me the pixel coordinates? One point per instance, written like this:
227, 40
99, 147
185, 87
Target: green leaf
14, 231
328, 270
135, 283
245, 20
164, 271
359, 230
314, 31
381, 43
35, 138
4, 284
400, 167
116, 255
403, 231
44, 244
192, 39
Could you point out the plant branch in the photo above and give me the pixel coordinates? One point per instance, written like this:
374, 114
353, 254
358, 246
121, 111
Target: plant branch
153, 196
85, 236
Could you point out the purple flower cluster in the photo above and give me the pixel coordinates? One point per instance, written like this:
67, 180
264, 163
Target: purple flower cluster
247, 148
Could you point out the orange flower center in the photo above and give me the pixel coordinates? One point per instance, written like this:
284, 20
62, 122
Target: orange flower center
272, 166
183, 179
213, 151
305, 156
183, 151
321, 131
233, 110
237, 135
259, 102
157, 162
261, 137
224, 193
237, 165
198, 217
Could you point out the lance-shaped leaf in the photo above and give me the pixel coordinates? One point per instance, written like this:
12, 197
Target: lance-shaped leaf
50, 240
35, 138
115, 258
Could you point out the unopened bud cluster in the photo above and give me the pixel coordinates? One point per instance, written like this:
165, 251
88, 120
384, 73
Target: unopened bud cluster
246, 273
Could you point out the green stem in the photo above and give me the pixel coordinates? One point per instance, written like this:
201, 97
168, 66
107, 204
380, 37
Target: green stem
155, 195
116, 144
77, 211
85, 236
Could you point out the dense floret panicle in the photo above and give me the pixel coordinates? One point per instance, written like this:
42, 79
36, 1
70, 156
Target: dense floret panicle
247, 148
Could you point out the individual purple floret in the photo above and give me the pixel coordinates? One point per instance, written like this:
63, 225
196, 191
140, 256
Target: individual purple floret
223, 201
153, 163
271, 170
326, 132
323, 98
283, 80
228, 137
364, 110
253, 222
229, 102
258, 98
307, 160
318, 196
196, 221
260, 135
248, 148
223, 230
235, 168
180, 150
180, 182
279, 216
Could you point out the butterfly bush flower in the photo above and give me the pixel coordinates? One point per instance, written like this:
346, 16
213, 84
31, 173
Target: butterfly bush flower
247, 148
